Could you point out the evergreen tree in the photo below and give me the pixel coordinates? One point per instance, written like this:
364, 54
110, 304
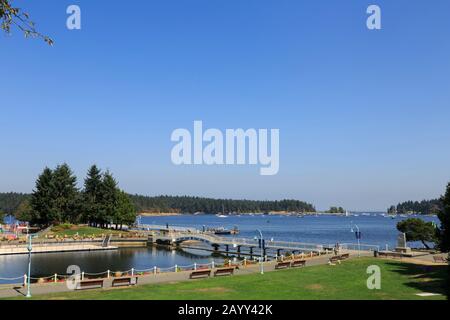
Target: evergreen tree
42, 202
24, 211
92, 196
2, 216
444, 216
65, 194
418, 230
109, 199
125, 212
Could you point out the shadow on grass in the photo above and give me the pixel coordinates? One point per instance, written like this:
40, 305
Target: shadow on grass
432, 279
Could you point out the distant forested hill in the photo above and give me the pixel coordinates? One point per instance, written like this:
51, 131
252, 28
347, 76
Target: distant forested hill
195, 204
168, 204
422, 207
10, 201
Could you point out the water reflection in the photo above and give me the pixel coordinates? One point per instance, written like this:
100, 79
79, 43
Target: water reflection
95, 262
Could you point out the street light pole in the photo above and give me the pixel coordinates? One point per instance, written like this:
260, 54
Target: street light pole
30, 248
358, 237
262, 251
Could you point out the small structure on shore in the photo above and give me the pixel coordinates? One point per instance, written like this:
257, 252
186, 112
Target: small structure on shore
401, 244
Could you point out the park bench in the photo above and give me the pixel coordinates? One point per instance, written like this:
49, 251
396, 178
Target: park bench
439, 259
283, 265
334, 260
125, 281
90, 284
298, 263
345, 256
224, 272
200, 274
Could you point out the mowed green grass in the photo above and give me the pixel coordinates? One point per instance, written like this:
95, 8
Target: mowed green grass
347, 281
399, 281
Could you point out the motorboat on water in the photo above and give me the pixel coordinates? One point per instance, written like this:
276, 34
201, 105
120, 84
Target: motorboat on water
223, 231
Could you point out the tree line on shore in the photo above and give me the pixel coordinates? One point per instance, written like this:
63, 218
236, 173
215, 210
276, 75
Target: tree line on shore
425, 207
17, 204
185, 204
56, 199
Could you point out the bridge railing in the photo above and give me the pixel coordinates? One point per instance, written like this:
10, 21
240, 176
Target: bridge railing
177, 236
363, 247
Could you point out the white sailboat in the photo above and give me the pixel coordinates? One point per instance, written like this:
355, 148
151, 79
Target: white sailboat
223, 213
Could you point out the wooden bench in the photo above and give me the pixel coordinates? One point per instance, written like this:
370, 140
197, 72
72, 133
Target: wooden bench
224, 272
125, 281
90, 284
282, 265
298, 263
439, 259
334, 260
200, 274
345, 256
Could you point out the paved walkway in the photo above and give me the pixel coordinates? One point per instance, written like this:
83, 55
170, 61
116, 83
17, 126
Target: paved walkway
7, 291
16, 250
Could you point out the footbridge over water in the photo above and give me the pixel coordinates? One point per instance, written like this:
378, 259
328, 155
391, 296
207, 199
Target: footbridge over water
175, 236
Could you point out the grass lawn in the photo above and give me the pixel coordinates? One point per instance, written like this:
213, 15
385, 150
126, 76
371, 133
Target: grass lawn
399, 281
82, 230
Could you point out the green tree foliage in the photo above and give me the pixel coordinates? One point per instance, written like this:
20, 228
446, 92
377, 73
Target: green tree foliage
92, 195
11, 16
418, 230
109, 199
104, 202
126, 212
419, 207
2, 216
444, 216
10, 201
24, 211
336, 210
55, 198
65, 194
187, 204
42, 200
392, 210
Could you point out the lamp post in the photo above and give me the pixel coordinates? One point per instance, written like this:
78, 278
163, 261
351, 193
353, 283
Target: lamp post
262, 247
358, 237
30, 248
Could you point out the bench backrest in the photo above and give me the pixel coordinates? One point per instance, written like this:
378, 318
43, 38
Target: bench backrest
90, 283
229, 270
201, 272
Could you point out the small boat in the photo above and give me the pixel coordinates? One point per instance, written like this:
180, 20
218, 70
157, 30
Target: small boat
223, 231
222, 215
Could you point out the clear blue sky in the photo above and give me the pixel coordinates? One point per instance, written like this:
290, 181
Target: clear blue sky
363, 115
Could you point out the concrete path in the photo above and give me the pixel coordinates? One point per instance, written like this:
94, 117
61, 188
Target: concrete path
17, 250
7, 291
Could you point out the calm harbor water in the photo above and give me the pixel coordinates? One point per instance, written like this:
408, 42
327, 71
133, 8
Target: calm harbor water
376, 230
